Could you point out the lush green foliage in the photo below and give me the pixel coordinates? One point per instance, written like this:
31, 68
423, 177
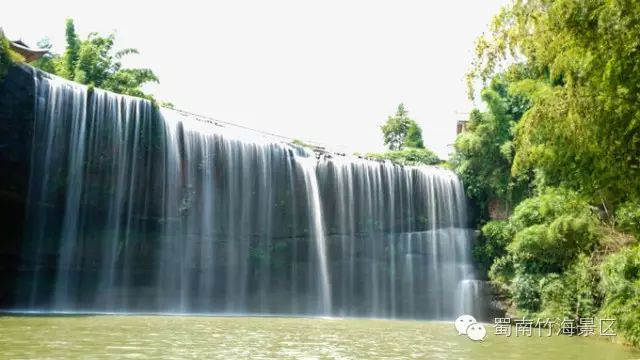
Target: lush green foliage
5, 59
627, 217
93, 61
408, 156
551, 230
7, 56
563, 125
403, 136
545, 246
401, 132
414, 136
621, 284
492, 243
67, 67
484, 153
583, 128
573, 294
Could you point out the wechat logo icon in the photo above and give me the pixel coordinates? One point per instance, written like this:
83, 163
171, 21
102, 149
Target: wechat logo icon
467, 325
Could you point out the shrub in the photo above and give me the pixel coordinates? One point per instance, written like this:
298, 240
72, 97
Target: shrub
627, 218
621, 285
492, 243
502, 271
408, 156
550, 204
573, 294
7, 56
525, 293
545, 267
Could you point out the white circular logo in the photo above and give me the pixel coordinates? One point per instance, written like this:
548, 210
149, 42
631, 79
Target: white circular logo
467, 325
476, 332
462, 322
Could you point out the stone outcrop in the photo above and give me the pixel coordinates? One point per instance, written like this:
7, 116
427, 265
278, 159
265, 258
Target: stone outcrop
17, 92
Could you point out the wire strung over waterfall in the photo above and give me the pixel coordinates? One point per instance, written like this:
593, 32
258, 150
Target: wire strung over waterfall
218, 122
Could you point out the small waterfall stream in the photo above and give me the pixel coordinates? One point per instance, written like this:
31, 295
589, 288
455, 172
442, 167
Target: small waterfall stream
137, 209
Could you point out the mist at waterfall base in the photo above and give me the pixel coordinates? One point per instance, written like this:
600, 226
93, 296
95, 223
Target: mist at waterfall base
135, 209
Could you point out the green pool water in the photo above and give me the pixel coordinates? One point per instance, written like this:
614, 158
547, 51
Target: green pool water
199, 337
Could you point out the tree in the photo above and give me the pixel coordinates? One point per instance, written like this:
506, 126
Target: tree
542, 255
403, 136
621, 282
400, 131
93, 61
414, 137
71, 53
583, 129
572, 249
484, 153
7, 55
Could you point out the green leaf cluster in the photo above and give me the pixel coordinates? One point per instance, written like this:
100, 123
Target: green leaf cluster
408, 156
403, 137
627, 217
546, 245
94, 61
7, 56
583, 127
492, 242
562, 125
621, 284
484, 153
401, 132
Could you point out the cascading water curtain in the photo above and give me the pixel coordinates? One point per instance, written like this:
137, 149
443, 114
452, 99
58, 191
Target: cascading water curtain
132, 208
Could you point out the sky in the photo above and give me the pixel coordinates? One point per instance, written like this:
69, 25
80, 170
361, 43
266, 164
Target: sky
328, 72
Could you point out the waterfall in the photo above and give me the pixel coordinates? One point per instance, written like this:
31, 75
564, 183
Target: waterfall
133, 208
468, 296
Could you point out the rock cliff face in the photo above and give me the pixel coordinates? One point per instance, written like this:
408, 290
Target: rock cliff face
133, 208
17, 92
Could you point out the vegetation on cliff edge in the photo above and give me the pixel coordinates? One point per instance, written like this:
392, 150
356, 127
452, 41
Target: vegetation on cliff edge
559, 146
7, 56
403, 136
95, 62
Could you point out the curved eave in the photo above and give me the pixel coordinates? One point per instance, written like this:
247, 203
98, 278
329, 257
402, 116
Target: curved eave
28, 54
